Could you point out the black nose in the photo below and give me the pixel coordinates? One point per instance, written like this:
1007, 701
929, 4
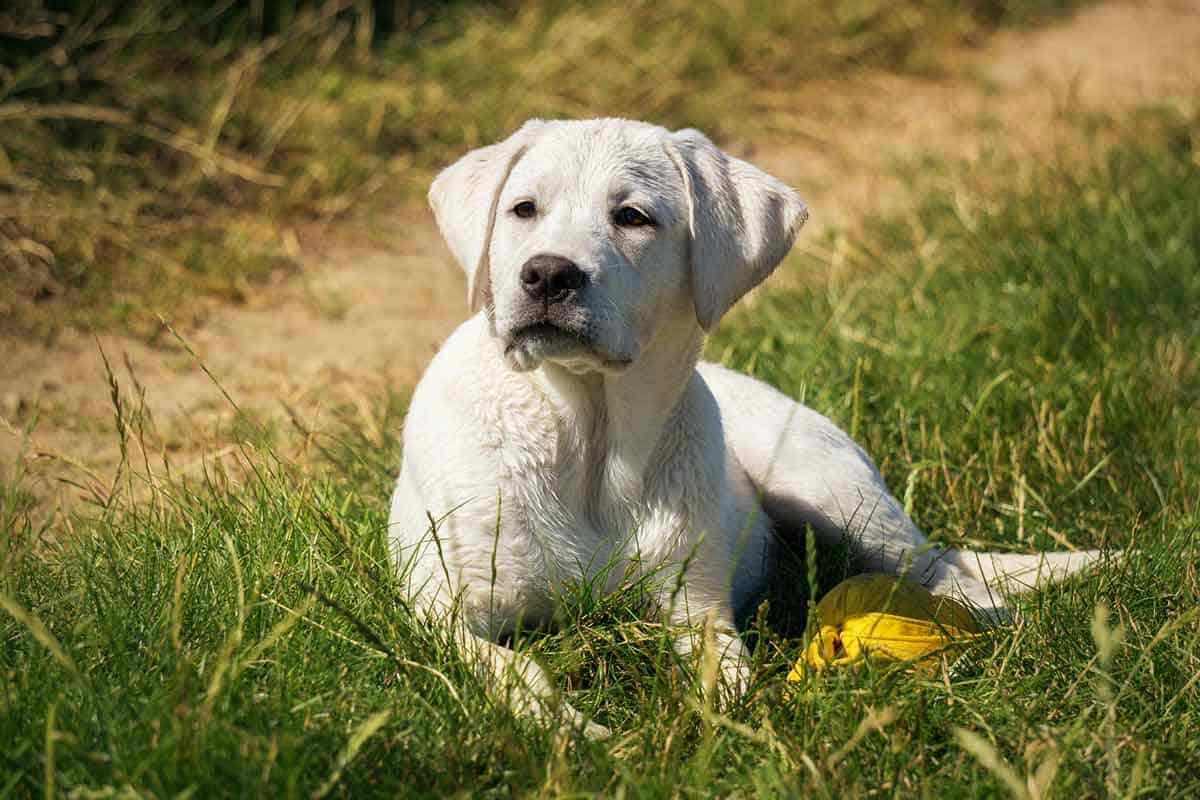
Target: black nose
551, 279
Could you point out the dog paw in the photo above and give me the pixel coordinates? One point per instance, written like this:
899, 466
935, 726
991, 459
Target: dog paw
575, 721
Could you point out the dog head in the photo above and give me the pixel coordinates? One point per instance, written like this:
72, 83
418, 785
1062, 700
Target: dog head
583, 239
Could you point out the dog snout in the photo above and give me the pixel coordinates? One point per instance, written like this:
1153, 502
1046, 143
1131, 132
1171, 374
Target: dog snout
551, 279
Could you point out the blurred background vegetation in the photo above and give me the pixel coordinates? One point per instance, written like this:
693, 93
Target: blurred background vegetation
163, 155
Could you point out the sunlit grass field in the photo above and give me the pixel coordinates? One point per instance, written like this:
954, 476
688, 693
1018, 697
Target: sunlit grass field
1021, 358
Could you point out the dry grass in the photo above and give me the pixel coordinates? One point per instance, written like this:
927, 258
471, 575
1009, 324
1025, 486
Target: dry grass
166, 155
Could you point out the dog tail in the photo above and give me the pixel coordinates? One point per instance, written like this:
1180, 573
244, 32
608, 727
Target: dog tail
1014, 573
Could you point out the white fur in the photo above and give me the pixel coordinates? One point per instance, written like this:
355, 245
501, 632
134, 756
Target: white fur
544, 460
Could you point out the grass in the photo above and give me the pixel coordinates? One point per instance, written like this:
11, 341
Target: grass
1023, 363
156, 157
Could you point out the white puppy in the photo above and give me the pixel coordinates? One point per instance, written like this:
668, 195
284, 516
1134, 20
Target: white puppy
568, 425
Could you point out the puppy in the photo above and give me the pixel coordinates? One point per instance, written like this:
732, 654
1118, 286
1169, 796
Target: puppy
568, 426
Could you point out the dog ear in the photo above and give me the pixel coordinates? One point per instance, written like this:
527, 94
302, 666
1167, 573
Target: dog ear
464, 197
743, 222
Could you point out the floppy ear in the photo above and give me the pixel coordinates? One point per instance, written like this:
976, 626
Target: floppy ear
743, 223
464, 197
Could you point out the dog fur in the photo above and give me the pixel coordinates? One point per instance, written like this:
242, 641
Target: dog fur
555, 436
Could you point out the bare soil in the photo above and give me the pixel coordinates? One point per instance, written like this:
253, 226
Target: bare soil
375, 298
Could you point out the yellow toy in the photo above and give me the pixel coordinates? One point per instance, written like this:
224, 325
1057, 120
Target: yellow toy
883, 619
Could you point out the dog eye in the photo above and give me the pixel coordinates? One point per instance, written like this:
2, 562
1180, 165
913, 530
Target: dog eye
630, 217
525, 209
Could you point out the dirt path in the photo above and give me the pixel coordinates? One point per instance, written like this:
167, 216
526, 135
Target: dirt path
1013, 99
365, 314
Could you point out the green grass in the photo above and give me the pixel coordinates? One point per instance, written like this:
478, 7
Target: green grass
1023, 364
156, 157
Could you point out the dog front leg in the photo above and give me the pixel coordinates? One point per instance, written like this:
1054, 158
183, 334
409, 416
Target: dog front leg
707, 640
522, 684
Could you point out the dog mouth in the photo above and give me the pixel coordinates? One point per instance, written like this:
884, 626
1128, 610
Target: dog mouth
546, 333
531, 344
